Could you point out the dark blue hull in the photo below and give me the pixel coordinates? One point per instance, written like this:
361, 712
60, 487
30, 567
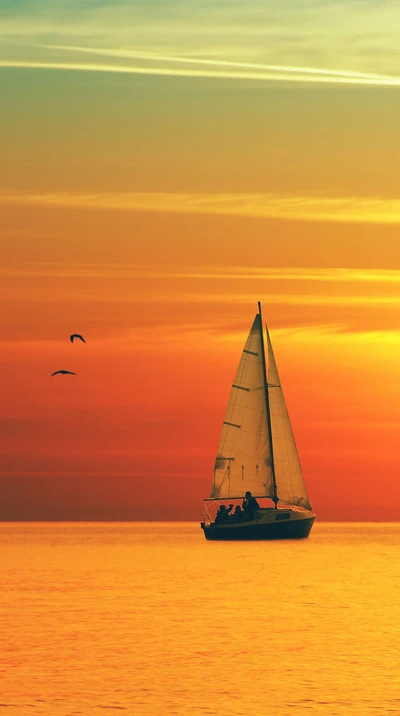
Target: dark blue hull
291, 529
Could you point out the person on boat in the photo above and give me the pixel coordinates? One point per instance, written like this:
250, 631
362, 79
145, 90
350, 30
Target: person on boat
238, 515
223, 514
250, 505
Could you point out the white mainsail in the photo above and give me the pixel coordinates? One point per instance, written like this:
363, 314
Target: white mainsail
257, 450
288, 474
244, 457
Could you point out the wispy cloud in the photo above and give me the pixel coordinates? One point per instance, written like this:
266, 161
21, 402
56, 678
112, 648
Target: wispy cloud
284, 299
154, 57
202, 68
305, 303
207, 67
377, 210
326, 34
63, 269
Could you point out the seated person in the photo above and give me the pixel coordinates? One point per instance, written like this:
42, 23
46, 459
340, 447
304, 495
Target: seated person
238, 515
223, 514
250, 505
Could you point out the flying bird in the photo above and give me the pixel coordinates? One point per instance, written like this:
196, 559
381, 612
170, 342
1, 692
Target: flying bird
63, 372
76, 335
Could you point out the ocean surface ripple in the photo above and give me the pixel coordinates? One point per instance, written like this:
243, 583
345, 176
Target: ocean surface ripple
149, 618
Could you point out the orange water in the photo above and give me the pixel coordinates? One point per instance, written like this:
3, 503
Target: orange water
152, 619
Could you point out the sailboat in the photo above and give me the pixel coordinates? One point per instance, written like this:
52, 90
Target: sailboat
257, 453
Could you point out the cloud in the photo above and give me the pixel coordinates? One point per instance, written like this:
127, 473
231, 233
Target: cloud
378, 210
226, 273
204, 68
231, 69
307, 32
291, 299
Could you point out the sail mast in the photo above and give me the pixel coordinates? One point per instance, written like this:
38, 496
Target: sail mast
274, 498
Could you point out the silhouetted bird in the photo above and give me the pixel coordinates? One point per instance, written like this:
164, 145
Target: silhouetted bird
76, 335
63, 372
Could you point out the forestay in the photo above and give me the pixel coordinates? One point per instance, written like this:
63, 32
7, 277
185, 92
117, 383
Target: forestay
288, 474
244, 458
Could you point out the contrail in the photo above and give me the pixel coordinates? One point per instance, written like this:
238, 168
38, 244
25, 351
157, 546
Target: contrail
283, 74
290, 69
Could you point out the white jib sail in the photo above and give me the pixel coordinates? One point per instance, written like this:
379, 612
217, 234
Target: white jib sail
243, 460
288, 474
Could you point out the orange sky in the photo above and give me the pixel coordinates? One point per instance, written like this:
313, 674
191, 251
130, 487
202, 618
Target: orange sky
150, 213
135, 432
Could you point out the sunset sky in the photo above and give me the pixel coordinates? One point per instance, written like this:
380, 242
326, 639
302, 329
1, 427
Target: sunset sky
164, 166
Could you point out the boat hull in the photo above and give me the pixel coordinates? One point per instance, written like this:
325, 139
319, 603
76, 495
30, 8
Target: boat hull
298, 528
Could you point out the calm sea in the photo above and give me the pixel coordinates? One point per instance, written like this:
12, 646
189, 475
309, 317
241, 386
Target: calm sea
153, 620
